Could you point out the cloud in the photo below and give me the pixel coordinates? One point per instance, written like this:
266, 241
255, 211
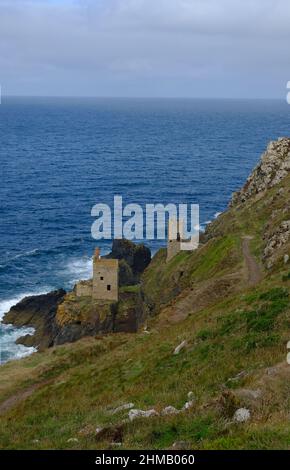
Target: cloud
145, 47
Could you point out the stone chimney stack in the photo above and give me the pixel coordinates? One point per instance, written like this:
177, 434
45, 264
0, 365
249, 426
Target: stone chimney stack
175, 232
97, 253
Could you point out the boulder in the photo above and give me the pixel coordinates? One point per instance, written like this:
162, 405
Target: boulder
133, 414
39, 312
126, 406
170, 410
113, 433
242, 415
188, 405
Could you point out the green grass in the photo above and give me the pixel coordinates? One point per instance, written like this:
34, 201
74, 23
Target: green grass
130, 289
244, 330
220, 255
92, 376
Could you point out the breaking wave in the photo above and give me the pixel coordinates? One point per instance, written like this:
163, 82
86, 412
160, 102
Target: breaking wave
9, 334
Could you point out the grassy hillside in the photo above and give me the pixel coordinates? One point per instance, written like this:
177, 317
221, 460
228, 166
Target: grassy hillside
235, 354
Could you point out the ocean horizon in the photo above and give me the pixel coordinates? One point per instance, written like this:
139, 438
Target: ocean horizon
61, 156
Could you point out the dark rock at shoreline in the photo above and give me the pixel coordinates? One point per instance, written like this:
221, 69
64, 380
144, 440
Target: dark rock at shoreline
83, 316
37, 311
59, 317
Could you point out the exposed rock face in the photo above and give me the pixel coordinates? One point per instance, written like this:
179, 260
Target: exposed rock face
275, 241
273, 167
126, 276
134, 260
60, 318
38, 311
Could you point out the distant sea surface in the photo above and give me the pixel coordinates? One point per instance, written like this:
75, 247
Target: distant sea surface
60, 156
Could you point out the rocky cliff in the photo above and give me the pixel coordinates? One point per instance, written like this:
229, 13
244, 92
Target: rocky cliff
260, 209
209, 371
273, 167
59, 317
38, 311
133, 260
265, 199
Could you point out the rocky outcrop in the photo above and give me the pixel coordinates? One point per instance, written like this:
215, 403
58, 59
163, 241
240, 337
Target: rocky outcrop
272, 169
79, 317
60, 318
126, 276
37, 311
134, 259
275, 241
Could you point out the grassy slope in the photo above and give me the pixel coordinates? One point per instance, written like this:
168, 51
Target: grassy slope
246, 330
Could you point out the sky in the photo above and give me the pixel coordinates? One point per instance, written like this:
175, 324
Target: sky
145, 48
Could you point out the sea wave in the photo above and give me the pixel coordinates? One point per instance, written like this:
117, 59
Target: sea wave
9, 334
79, 269
5, 305
8, 348
19, 256
7, 261
73, 270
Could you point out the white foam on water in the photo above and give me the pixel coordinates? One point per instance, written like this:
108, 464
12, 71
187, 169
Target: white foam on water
79, 269
9, 334
76, 269
5, 305
8, 348
217, 214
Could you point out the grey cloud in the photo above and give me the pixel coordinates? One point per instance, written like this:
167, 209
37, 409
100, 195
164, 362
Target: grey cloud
145, 47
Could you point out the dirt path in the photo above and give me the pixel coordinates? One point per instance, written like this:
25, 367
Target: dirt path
254, 270
20, 396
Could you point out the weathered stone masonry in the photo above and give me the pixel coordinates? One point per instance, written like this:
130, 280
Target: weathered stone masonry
105, 278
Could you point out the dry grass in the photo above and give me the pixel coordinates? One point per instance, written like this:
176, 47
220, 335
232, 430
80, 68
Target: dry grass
229, 326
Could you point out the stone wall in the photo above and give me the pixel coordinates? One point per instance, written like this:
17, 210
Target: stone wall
84, 289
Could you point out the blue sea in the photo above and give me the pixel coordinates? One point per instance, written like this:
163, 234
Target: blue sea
60, 156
